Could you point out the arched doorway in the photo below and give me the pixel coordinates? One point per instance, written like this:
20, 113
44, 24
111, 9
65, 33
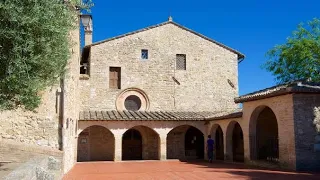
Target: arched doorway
132, 145
217, 136
219, 149
237, 143
234, 142
95, 143
140, 143
264, 135
185, 142
194, 144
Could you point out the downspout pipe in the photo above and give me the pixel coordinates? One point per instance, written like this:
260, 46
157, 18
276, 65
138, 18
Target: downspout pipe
62, 115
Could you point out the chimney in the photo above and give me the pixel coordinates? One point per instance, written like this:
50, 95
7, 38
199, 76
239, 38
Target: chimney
87, 24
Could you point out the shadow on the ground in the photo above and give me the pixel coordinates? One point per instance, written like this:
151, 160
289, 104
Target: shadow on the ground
253, 172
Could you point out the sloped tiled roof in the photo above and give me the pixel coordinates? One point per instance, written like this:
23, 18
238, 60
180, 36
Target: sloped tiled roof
240, 55
154, 115
293, 87
237, 113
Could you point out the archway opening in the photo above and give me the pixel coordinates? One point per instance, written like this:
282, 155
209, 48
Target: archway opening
194, 144
132, 145
219, 149
95, 143
185, 143
266, 139
140, 143
237, 143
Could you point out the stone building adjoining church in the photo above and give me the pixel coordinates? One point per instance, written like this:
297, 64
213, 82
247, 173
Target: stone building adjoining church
155, 94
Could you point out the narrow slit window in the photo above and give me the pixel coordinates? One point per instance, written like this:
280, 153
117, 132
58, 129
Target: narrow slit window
115, 78
181, 62
144, 54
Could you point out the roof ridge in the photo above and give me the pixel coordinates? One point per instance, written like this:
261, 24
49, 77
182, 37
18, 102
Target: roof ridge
240, 55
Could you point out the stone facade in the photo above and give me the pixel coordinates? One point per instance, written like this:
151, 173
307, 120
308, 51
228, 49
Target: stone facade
70, 102
37, 128
208, 69
305, 133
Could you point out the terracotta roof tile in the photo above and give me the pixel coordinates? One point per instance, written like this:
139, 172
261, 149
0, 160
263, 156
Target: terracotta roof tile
289, 88
156, 115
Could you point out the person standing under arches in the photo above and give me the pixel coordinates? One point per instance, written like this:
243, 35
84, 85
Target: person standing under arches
210, 148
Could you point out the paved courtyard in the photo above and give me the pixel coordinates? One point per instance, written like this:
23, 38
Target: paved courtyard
175, 170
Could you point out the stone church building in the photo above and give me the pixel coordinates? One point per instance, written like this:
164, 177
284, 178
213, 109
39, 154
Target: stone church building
156, 94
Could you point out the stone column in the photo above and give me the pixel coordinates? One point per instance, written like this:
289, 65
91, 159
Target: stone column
205, 138
118, 147
163, 147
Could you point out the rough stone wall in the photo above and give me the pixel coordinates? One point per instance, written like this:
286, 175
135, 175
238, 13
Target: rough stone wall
282, 106
175, 143
209, 66
70, 104
35, 128
305, 131
150, 143
99, 145
83, 148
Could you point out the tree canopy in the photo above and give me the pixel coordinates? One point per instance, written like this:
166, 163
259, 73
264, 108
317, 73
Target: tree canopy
299, 57
34, 47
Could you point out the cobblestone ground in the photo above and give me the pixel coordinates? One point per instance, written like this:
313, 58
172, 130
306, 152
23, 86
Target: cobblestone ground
175, 170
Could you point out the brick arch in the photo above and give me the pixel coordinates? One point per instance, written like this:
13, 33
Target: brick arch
89, 125
150, 142
145, 126
95, 143
176, 142
217, 135
254, 117
202, 129
234, 141
264, 143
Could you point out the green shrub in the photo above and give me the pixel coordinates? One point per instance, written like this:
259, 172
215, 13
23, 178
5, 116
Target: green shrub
34, 48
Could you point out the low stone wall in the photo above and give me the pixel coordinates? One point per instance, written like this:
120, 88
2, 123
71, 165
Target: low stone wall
23, 159
39, 168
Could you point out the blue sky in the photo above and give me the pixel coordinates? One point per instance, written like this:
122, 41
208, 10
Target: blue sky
249, 26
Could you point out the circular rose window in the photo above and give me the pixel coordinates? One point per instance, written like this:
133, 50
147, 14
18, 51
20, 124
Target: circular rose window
132, 99
132, 103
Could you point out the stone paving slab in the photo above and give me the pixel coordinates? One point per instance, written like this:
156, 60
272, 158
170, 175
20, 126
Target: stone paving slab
176, 170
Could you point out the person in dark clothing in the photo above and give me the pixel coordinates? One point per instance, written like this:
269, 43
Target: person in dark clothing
210, 148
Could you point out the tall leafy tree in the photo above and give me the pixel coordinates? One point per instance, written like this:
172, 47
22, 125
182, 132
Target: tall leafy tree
34, 47
299, 57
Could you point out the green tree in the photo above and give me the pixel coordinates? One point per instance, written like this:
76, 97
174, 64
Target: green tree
34, 47
299, 57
